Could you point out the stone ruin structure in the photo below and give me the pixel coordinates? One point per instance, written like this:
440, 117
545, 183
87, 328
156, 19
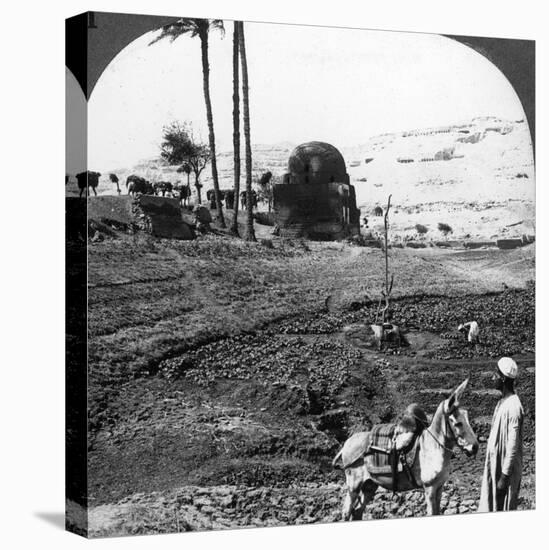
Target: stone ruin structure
161, 217
316, 200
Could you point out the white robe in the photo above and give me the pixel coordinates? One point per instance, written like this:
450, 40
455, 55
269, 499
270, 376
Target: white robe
503, 456
473, 332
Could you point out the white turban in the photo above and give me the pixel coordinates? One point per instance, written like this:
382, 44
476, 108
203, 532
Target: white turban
508, 367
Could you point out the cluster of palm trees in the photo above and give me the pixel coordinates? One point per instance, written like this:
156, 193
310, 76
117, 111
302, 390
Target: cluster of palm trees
202, 28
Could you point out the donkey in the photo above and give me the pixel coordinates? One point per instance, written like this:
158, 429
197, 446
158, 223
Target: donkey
431, 467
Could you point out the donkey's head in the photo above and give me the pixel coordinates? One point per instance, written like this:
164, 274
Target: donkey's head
458, 421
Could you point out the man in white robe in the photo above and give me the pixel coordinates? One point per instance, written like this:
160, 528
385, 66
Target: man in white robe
472, 331
503, 467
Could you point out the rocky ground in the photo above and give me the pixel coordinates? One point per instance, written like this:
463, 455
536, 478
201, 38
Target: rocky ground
282, 480
227, 506
239, 429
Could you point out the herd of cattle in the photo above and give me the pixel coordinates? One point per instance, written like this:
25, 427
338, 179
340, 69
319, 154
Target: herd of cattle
137, 185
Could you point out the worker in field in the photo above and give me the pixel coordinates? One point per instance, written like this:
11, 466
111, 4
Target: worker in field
503, 466
472, 330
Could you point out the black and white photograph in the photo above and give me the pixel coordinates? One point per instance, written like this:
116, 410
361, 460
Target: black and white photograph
308, 255
290, 291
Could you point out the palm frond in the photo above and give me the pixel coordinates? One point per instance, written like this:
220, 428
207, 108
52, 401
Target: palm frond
189, 26
217, 24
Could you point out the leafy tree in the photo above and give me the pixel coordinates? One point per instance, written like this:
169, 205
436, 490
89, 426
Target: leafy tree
421, 229
201, 28
179, 146
265, 178
265, 185
185, 168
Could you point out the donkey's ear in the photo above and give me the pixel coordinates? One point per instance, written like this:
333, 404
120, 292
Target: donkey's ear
460, 389
453, 401
450, 404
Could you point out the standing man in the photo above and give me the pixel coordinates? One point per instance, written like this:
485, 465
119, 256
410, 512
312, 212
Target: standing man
503, 467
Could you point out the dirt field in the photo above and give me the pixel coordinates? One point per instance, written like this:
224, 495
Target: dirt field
222, 381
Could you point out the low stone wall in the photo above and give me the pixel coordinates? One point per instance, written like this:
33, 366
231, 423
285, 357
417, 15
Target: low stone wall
478, 244
506, 244
265, 218
111, 210
161, 217
158, 216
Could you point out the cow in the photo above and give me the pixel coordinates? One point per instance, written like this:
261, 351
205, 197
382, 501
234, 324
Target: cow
229, 198
378, 211
243, 201
138, 185
114, 179
163, 187
183, 193
210, 196
86, 180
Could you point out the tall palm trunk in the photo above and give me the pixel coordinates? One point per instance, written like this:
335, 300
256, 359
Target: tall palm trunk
250, 233
236, 129
209, 116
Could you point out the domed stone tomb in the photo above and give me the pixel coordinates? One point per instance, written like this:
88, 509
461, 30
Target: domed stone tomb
316, 200
316, 162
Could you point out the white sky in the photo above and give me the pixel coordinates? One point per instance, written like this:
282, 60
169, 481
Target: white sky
306, 83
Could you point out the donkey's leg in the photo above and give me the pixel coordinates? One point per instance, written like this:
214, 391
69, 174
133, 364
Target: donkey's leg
432, 500
353, 494
358, 507
358, 511
439, 497
369, 489
349, 502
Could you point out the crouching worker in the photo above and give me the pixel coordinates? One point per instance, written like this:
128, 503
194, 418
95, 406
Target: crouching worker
472, 330
387, 332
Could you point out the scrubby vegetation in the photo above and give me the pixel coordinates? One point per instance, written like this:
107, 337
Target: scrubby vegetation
444, 228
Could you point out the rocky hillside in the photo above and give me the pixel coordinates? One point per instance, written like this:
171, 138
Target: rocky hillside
478, 177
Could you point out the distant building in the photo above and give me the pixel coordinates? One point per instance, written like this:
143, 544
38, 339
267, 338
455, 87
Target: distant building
316, 200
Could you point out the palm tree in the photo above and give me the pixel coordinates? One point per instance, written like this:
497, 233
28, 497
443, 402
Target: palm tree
201, 28
250, 233
236, 129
